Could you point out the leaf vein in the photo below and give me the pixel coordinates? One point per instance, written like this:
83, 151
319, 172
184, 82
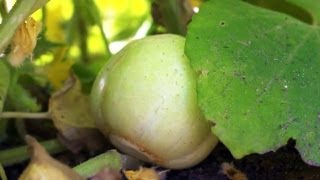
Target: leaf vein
288, 60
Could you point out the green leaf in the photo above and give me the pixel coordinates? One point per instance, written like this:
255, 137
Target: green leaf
44, 45
21, 100
310, 6
305, 10
258, 77
19, 97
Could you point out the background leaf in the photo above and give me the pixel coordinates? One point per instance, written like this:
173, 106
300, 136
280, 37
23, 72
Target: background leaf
258, 77
4, 83
20, 99
70, 106
123, 17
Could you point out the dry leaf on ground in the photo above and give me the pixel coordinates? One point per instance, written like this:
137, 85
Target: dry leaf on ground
232, 173
142, 174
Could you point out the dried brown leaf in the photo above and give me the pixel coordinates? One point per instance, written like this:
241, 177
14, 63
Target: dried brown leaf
142, 174
71, 115
232, 173
70, 106
76, 139
43, 166
24, 41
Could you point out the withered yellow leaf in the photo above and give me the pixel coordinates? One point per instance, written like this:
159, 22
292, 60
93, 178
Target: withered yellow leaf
71, 114
70, 106
24, 41
142, 174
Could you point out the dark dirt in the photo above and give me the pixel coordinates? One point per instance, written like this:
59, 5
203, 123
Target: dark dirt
284, 164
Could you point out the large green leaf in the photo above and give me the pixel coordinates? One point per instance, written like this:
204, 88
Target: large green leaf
311, 6
258, 77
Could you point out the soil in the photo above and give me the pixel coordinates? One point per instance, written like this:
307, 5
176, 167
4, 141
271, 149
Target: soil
283, 164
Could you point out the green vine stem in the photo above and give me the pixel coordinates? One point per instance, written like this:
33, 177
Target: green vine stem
3, 8
19, 154
20, 11
110, 159
25, 115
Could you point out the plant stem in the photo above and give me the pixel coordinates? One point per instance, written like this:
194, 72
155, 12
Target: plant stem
2, 173
110, 159
4, 83
105, 40
20, 11
25, 115
3, 9
175, 15
19, 154
93, 13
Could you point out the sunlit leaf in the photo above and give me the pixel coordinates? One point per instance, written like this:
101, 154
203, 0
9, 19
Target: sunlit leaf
122, 18
258, 77
59, 69
57, 13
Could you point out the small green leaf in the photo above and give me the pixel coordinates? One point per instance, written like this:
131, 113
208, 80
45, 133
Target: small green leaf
21, 100
258, 77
